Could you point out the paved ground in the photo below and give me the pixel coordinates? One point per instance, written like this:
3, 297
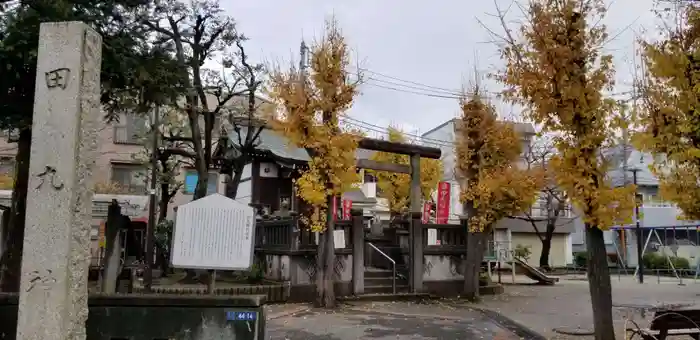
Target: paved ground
392, 320
567, 304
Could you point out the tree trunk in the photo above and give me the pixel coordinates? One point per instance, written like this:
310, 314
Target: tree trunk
235, 180
3, 228
11, 260
599, 284
546, 249
163, 253
325, 291
112, 257
164, 259
476, 245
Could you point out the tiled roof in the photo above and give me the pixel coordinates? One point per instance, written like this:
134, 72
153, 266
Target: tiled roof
563, 225
278, 145
356, 195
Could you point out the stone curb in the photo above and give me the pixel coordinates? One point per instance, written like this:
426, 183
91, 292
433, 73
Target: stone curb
300, 309
519, 329
380, 311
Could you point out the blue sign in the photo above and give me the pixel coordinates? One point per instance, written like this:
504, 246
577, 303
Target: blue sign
190, 182
241, 316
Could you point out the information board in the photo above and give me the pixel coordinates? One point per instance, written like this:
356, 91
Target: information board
214, 232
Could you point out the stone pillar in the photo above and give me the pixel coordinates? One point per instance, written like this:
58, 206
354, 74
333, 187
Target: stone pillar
53, 295
416, 228
358, 252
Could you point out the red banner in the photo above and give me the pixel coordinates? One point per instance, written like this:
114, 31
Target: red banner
443, 203
347, 206
335, 208
426, 212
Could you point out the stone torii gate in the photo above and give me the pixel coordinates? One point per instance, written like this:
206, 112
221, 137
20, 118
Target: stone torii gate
415, 152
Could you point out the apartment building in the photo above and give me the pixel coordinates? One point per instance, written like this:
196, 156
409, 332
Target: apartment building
120, 157
509, 233
663, 230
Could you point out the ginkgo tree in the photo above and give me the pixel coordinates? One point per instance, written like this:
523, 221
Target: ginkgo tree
671, 117
556, 70
309, 111
396, 187
492, 184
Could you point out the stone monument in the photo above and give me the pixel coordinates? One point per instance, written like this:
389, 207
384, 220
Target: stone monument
53, 293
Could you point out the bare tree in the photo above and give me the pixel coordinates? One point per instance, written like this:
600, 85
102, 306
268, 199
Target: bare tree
552, 203
199, 31
235, 154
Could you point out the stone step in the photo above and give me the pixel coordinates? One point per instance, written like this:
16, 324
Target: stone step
377, 272
384, 281
403, 296
386, 289
380, 273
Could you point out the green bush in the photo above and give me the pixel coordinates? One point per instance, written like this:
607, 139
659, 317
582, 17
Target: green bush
256, 274
580, 259
659, 261
680, 262
522, 252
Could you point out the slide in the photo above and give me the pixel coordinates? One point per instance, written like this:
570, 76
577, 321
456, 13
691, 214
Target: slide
535, 273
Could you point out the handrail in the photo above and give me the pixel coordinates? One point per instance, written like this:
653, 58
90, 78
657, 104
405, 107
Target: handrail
393, 264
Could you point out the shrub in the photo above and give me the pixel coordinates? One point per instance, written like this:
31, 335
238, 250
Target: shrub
659, 261
256, 274
680, 262
581, 259
522, 251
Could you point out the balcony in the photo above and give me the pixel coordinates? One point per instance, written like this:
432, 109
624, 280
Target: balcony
663, 214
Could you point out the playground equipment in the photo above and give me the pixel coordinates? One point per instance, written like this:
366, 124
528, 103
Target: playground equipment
667, 241
532, 272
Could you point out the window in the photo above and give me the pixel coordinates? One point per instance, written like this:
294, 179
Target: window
131, 177
541, 209
131, 129
191, 182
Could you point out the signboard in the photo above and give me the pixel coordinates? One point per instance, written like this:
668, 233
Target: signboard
443, 203
244, 324
214, 232
347, 207
426, 212
432, 237
339, 238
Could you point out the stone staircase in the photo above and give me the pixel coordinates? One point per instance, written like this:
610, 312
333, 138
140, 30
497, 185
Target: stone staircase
379, 281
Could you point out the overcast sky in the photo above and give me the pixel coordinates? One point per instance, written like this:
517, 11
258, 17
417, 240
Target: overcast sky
437, 43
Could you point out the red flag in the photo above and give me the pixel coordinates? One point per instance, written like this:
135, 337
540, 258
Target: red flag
347, 206
426, 212
443, 203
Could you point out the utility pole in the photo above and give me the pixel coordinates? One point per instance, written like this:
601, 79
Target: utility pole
150, 230
303, 59
638, 228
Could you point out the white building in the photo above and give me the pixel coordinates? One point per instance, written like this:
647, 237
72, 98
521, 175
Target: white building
508, 233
